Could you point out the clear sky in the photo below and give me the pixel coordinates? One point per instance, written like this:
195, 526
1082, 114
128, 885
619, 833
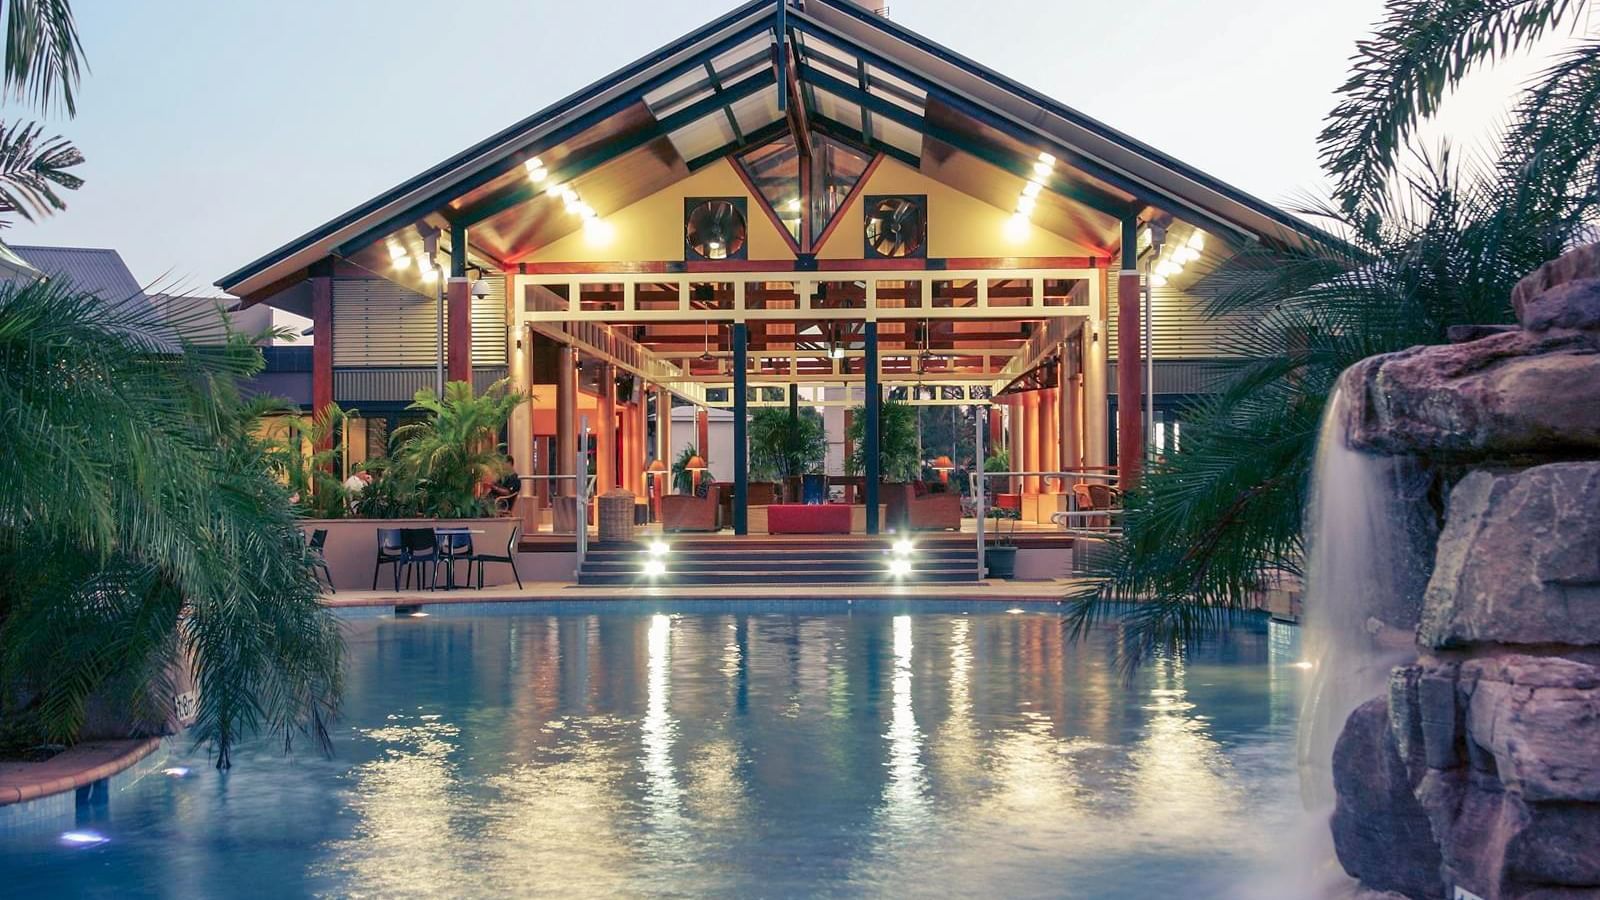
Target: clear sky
217, 131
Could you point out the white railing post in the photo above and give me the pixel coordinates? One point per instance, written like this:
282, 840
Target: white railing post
977, 482
580, 491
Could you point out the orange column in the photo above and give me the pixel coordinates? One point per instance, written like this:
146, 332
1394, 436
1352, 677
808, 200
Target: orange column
1050, 436
1031, 440
605, 432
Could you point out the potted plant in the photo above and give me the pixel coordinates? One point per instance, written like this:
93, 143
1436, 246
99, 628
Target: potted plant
1000, 554
897, 442
783, 448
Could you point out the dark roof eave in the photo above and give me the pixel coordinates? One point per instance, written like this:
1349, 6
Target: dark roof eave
487, 145
1087, 123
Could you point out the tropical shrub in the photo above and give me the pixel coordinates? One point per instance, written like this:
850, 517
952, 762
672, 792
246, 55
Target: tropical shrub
141, 530
1414, 251
783, 447
451, 453
897, 442
682, 478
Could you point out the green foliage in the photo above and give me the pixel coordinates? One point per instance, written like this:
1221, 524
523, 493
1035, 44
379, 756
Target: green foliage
781, 447
897, 442
682, 478
1422, 50
1208, 522
141, 527
306, 457
449, 455
42, 63
998, 462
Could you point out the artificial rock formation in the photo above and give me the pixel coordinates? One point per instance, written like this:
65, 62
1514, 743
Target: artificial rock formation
1493, 735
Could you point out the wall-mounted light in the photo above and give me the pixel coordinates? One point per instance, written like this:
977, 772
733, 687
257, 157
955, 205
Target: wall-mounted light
1174, 255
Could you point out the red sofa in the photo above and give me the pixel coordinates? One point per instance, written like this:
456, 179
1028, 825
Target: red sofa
817, 518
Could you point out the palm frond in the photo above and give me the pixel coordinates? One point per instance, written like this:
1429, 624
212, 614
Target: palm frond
1399, 75
43, 54
32, 168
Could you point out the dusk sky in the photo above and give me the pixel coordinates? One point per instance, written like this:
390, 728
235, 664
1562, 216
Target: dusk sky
216, 132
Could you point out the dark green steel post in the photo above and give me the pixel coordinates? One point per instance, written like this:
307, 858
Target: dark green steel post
741, 428
872, 449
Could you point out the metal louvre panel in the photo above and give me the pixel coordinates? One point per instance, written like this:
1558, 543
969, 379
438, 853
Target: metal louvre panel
489, 326
359, 385
1181, 376
353, 387
379, 323
1179, 326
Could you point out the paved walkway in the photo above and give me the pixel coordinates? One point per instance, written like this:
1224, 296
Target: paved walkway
1016, 591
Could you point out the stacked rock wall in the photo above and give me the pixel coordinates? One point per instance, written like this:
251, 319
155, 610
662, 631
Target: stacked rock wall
1492, 738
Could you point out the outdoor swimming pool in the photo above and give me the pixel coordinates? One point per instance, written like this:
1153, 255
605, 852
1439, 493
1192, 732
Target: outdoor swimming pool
754, 750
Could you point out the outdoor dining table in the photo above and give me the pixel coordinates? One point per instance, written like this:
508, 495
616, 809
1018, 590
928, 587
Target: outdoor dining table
447, 551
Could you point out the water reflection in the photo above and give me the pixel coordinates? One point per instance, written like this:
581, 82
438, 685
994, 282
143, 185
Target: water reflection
754, 751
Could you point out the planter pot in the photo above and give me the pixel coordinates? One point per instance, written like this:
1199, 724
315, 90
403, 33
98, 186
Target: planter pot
1002, 561
814, 489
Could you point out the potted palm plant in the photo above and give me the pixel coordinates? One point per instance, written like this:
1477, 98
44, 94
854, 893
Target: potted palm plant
1001, 553
784, 448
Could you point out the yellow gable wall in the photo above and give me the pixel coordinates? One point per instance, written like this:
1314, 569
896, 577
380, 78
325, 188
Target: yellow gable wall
958, 224
652, 229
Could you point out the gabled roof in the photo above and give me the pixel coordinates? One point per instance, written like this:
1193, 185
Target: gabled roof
96, 271
752, 74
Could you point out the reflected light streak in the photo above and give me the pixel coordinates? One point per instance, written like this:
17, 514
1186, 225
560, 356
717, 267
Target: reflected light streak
658, 728
904, 803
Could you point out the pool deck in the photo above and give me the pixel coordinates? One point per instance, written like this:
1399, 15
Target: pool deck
999, 591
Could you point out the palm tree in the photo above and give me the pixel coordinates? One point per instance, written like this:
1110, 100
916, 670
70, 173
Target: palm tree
784, 447
455, 450
42, 66
141, 533
1439, 245
897, 442
1424, 48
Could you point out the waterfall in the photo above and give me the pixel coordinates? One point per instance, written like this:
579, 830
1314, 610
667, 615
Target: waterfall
1369, 542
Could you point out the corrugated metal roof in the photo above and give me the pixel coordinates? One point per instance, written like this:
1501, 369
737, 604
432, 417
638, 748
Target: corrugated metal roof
99, 272
895, 70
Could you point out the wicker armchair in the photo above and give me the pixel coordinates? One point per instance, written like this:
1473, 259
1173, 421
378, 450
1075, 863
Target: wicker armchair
684, 512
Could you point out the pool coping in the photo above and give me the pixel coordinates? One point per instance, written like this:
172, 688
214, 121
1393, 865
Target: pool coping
79, 765
996, 591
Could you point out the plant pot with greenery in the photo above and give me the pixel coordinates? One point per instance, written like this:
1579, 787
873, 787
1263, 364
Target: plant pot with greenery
1000, 554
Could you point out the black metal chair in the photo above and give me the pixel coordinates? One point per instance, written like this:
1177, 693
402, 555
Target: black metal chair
319, 565
391, 552
422, 555
510, 558
453, 548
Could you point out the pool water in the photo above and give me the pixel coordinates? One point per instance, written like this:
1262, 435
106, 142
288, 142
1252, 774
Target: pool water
775, 749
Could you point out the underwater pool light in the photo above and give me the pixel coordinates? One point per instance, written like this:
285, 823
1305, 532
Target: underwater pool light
83, 838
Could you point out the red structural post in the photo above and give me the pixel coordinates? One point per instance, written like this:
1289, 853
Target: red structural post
997, 431
1130, 381
322, 346
605, 461
702, 432
458, 313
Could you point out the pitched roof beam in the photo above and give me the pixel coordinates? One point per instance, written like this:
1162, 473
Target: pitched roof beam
716, 88
754, 139
569, 130
1088, 196
524, 191
1143, 193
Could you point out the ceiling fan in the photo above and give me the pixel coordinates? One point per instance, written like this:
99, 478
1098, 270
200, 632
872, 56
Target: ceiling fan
896, 226
715, 229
